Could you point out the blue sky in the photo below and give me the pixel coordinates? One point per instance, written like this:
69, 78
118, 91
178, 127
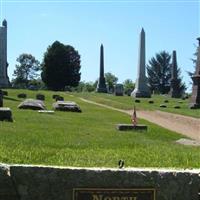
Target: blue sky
169, 25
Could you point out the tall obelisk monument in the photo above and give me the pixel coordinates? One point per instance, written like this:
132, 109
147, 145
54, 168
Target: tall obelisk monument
101, 86
174, 86
141, 87
4, 80
195, 98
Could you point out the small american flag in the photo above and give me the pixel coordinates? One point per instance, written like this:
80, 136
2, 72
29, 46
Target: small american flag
134, 117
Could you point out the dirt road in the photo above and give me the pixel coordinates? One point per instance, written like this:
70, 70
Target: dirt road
185, 125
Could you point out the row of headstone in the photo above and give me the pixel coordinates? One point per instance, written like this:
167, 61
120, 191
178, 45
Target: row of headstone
35, 104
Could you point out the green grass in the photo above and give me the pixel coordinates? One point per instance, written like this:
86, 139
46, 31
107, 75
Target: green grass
87, 139
127, 102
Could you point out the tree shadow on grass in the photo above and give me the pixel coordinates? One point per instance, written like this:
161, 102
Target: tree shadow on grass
10, 98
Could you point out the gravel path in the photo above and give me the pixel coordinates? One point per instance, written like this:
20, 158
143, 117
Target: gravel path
184, 125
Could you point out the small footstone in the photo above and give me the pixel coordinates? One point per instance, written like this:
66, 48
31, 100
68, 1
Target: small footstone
40, 97
5, 114
151, 102
137, 101
59, 98
166, 101
22, 95
127, 127
177, 107
54, 96
189, 142
46, 111
163, 106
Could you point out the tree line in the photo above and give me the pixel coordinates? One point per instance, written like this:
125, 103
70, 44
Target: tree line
60, 70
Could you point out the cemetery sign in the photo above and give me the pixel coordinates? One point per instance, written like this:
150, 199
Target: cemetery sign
113, 194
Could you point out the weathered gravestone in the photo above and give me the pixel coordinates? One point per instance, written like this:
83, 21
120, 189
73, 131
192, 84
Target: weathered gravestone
195, 98
66, 106
5, 114
32, 104
58, 183
119, 90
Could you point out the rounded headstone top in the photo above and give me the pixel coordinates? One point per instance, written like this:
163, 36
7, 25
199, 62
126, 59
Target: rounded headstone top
4, 23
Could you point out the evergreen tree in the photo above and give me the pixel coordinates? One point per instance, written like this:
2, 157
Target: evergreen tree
159, 73
194, 60
61, 66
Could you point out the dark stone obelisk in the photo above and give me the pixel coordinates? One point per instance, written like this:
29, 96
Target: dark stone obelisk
174, 82
141, 87
101, 86
195, 98
4, 80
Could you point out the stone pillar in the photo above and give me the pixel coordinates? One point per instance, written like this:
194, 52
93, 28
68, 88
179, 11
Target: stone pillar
4, 80
195, 98
101, 86
141, 88
174, 85
1, 98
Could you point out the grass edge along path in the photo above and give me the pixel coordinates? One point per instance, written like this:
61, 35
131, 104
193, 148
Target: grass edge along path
127, 103
184, 125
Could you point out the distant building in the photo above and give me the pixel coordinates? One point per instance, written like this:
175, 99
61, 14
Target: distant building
4, 80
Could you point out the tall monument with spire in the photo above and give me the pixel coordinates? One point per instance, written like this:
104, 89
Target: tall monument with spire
101, 86
174, 85
195, 98
141, 87
4, 80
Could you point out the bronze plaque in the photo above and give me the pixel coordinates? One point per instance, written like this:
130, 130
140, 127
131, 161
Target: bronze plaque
113, 194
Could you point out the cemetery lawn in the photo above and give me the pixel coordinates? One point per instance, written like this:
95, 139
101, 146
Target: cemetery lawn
127, 103
87, 139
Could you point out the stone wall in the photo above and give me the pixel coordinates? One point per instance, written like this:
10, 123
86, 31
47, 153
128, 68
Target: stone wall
20, 182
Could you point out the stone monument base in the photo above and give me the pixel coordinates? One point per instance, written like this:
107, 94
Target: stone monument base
194, 106
102, 90
175, 91
127, 127
4, 83
141, 94
195, 98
